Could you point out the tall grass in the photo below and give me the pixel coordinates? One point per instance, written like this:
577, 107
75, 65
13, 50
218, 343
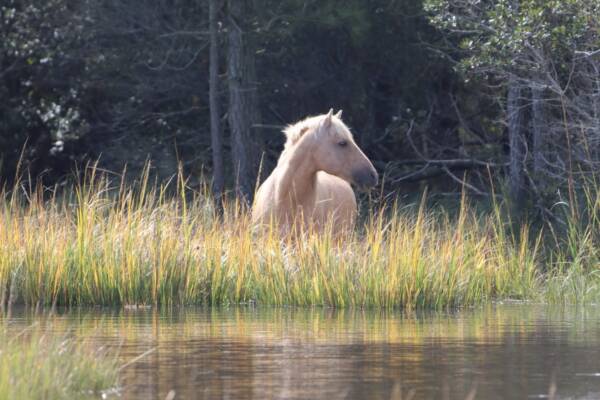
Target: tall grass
34, 365
574, 273
104, 245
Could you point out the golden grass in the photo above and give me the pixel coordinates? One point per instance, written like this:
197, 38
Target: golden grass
97, 245
35, 365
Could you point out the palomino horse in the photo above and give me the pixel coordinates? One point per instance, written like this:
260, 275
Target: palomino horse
311, 184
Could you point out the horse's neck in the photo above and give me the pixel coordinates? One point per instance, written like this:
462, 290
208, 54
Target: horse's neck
297, 179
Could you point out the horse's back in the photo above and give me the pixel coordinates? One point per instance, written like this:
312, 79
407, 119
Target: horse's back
335, 202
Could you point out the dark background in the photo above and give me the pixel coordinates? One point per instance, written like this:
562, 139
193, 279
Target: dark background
438, 95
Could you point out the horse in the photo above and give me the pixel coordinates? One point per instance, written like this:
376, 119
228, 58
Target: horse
311, 184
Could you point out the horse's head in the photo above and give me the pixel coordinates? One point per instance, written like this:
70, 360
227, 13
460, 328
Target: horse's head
337, 153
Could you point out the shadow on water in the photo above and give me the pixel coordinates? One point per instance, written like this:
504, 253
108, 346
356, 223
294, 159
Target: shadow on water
502, 351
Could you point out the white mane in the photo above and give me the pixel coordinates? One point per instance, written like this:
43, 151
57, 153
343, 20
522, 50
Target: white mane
295, 131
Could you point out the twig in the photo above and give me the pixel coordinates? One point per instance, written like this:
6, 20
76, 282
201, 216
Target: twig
136, 359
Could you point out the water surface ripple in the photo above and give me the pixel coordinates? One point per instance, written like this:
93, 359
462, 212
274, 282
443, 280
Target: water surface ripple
500, 352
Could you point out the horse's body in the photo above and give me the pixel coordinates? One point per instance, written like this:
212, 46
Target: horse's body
332, 200
310, 187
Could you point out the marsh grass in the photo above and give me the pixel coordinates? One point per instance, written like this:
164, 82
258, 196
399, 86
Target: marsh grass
35, 365
109, 244
573, 265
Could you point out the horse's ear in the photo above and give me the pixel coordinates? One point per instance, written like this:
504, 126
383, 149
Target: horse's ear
327, 120
339, 114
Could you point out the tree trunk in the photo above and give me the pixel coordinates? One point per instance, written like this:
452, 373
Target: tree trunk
595, 73
537, 131
243, 110
215, 114
517, 144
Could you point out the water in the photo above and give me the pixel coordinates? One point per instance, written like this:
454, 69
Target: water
497, 352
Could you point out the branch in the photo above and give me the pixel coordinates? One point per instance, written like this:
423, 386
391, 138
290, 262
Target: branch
453, 163
184, 33
268, 126
463, 182
586, 54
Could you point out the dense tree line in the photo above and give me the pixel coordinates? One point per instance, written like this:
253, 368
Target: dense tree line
540, 60
450, 94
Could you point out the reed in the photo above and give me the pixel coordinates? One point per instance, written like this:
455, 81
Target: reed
35, 365
167, 245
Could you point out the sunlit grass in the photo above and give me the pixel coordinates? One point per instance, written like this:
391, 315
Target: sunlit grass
104, 245
35, 365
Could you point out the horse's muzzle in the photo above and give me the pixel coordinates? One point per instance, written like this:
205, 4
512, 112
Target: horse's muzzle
365, 178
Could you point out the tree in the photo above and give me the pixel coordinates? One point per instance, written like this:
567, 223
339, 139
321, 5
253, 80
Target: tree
540, 55
145, 86
40, 88
215, 115
243, 99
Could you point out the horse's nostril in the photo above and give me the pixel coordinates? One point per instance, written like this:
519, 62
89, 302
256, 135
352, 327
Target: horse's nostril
374, 177
365, 178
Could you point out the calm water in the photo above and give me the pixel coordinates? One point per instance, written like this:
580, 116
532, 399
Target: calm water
501, 352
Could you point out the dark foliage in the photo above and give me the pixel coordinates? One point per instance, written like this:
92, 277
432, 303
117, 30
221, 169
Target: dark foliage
425, 91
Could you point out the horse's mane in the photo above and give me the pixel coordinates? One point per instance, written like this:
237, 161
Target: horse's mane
295, 131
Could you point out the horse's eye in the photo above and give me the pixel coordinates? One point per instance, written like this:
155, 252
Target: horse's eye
342, 143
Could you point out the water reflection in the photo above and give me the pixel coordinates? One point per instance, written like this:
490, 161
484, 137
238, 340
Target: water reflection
506, 351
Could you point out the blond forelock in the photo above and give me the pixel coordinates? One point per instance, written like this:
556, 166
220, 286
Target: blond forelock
296, 131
